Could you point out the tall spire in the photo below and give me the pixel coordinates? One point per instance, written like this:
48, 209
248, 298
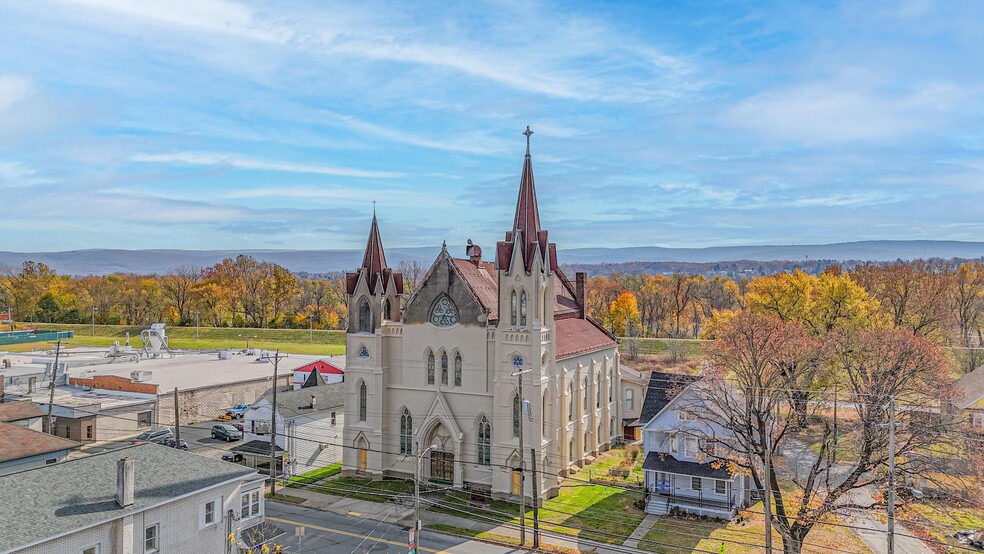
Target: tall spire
527, 219
375, 259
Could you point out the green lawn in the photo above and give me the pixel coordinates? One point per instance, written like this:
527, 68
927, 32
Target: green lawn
497, 538
363, 489
297, 341
315, 475
941, 519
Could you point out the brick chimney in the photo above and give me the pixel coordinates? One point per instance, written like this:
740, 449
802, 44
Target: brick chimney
474, 253
580, 279
124, 482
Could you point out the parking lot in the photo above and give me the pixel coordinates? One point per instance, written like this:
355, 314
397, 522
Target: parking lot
198, 436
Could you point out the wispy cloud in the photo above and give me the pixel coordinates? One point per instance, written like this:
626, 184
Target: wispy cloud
244, 162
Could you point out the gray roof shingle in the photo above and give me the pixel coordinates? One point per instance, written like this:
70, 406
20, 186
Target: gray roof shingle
293, 403
662, 389
661, 461
59, 498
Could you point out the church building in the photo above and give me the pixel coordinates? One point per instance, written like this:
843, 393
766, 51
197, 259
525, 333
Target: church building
437, 375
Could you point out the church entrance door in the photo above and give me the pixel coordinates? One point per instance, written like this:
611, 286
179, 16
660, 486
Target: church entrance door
442, 466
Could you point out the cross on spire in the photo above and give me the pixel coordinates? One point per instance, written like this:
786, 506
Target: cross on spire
528, 132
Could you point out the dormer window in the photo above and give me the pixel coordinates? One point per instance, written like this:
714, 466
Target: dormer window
444, 313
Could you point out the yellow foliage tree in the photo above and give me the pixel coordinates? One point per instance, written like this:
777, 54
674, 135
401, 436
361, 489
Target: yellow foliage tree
624, 314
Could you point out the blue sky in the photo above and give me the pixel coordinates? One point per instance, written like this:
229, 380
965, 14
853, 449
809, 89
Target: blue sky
217, 124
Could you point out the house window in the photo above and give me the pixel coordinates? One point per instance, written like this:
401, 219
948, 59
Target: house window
406, 433
88, 432
629, 399
333, 418
516, 415
250, 504
143, 419
209, 513
150, 539
68, 432
484, 442
50, 461
444, 368
690, 447
91, 550
522, 309
674, 444
365, 316
977, 419
430, 368
695, 483
457, 370
720, 486
260, 427
362, 402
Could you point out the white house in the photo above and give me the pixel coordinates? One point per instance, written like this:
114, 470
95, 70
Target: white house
143, 499
440, 370
309, 426
24, 448
680, 469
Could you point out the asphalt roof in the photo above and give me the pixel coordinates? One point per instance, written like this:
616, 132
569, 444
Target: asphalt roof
662, 389
14, 411
970, 388
293, 403
80, 493
20, 442
255, 447
661, 461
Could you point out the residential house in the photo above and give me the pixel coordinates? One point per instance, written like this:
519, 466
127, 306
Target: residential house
141, 499
633, 397
309, 426
679, 467
24, 413
968, 402
24, 448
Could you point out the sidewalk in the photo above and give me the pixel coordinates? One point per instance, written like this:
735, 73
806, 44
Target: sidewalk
393, 512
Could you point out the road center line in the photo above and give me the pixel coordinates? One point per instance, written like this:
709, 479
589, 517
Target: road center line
351, 534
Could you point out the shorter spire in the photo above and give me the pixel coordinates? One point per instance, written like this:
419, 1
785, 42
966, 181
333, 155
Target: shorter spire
375, 258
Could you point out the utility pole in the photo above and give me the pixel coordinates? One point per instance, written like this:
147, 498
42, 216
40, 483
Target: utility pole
94, 320
891, 475
767, 498
177, 422
834, 453
522, 461
536, 497
51, 388
311, 329
416, 492
197, 323
273, 428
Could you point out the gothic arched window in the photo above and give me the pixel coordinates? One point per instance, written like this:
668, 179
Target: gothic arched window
387, 310
363, 400
585, 390
444, 314
517, 420
484, 442
570, 402
444, 368
430, 367
365, 317
522, 308
597, 394
457, 370
406, 433
543, 415
514, 309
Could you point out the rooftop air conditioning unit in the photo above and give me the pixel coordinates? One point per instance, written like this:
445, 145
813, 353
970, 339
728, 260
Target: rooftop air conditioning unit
223, 354
140, 376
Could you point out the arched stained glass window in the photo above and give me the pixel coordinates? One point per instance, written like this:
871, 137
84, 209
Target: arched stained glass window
484, 442
430, 368
387, 310
585, 391
363, 400
457, 370
522, 308
543, 415
514, 305
365, 317
444, 368
406, 433
570, 402
444, 313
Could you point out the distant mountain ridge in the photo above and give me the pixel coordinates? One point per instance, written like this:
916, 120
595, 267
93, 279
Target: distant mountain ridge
105, 261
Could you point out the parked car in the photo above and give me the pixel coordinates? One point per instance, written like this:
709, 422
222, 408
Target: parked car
237, 411
158, 436
174, 443
239, 425
226, 432
232, 457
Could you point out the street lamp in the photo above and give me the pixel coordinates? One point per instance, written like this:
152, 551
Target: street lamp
94, 310
247, 338
416, 491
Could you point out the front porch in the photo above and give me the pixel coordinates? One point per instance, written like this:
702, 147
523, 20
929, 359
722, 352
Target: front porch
691, 487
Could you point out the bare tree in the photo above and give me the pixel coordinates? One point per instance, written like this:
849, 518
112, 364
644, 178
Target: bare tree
178, 288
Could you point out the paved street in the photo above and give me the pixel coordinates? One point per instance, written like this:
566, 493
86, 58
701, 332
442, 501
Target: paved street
329, 532
198, 437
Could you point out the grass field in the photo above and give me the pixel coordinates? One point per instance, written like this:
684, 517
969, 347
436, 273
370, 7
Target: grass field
297, 341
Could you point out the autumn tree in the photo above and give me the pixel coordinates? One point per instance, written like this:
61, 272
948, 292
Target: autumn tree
746, 392
178, 289
623, 312
967, 310
913, 294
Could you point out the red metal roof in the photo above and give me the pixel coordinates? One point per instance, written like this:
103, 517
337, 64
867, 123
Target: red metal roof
483, 282
374, 265
575, 336
322, 366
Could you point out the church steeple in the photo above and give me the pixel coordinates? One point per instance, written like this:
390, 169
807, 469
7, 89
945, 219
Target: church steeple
526, 233
374, 259
527, 221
